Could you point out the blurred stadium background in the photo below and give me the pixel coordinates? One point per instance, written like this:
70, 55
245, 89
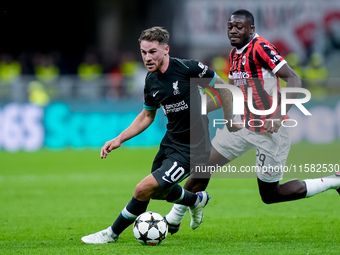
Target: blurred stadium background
71, 73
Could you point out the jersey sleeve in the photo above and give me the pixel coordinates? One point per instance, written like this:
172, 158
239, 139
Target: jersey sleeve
149, 100
231, 56
269, 57
199, 70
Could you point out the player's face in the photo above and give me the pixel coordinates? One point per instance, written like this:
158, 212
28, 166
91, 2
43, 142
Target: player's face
153, 55
240, 31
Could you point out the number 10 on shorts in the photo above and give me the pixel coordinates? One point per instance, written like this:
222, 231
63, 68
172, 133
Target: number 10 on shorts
175, 173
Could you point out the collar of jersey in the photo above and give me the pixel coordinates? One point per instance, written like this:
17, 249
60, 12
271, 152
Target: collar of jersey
245, 46
169, 67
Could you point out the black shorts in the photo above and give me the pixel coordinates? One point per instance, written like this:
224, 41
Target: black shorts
170, 167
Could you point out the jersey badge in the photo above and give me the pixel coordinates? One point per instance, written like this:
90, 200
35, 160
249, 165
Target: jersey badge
244, 60
175, 86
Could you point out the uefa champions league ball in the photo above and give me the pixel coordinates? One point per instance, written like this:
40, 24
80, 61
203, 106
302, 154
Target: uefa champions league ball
150, 228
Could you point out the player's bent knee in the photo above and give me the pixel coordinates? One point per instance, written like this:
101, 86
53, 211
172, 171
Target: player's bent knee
269, 199
269, 191
270, 196
145, 191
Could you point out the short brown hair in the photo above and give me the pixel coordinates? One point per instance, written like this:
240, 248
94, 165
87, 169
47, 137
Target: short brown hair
158, 34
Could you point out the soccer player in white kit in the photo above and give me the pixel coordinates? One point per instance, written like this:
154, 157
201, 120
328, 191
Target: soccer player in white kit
255, 63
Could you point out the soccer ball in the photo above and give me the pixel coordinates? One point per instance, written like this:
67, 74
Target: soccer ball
150, 228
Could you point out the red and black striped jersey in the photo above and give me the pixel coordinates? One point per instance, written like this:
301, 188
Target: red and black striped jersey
254, 66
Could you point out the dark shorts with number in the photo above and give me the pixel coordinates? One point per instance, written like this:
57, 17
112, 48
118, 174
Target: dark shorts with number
170, 167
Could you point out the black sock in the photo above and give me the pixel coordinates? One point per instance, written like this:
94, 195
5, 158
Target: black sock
181, 196
128, 215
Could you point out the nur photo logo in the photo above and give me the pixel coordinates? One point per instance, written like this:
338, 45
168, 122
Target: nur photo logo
239, 104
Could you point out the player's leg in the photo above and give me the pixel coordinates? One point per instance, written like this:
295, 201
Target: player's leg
137, 205
196, 182
177, 212
270, 173
199, 181
148, 188
274, 192
127, 216
319, 185
271, 155
162, 183
226, 147
168, 176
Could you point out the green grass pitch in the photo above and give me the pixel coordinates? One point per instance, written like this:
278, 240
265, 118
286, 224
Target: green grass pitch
50, 199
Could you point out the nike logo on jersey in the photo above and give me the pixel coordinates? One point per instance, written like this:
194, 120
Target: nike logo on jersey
165, 179
155, 93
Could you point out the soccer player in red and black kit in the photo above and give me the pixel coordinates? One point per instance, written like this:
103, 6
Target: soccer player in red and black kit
255, 63
167, 85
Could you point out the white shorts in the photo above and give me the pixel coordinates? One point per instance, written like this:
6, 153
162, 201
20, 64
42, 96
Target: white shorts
271, 149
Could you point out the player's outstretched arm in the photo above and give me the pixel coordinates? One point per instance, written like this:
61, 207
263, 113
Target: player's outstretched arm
142, 122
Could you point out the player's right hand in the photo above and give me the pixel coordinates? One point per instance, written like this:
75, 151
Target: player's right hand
109, 146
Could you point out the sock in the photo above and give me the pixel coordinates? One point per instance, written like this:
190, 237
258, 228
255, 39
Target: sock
176, 214
128, 215
316, 186
181, 196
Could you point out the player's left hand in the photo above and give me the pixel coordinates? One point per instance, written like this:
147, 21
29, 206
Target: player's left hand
272, 126
234, 127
